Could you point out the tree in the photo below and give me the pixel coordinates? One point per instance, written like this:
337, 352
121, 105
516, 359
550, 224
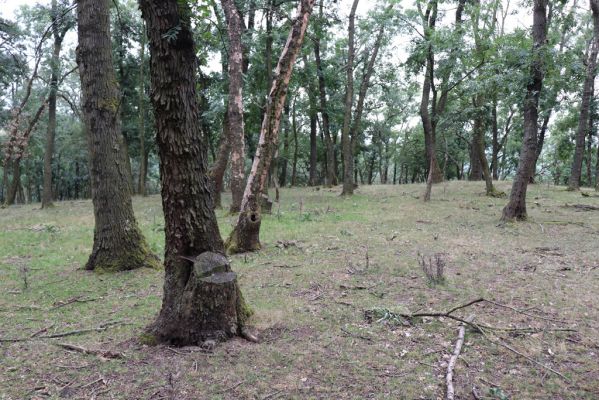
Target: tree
202, 299
246, 234
348, 178
516, 208
235, 127
60, 26
585, 104
118, 242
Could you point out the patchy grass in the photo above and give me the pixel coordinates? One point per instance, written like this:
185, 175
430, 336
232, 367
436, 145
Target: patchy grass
321, 270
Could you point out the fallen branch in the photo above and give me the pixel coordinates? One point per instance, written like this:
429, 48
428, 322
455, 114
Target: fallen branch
508, 347
100, 328
83, 350
477, 327
454, 359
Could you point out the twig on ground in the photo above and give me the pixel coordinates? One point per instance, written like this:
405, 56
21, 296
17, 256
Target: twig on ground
100, 328
454, 359
79, 349
477, 327
354, 335
510, 348
231, 387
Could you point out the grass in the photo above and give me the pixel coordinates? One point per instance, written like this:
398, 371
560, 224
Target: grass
311, 287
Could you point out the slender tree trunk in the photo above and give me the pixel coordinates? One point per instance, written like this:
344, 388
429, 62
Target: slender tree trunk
428, 124
246, 234
202, 300
285, 158
516, 208
478, 143
313, 180
295, 147
331, 174
217, 171
585, 106
143, 155
118, 242
51, 133
348, 181
235, 103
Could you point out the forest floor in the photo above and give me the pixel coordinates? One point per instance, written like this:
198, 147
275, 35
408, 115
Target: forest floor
327, 263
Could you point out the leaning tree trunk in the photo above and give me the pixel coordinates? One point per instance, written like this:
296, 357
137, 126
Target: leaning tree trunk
348, 163
118, 242
585, 106
246, 234
235, 103
202, 300
516, 208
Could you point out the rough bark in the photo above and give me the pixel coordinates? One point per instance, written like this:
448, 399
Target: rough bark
516, 208
585, 106
118, 242
348, 179
245, 235
202, 300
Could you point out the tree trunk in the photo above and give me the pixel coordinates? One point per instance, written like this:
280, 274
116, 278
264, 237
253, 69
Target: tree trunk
245, 235
285, 158
428, 124
331, 174
51, 133
313, 180
516, 208
587, 94
478, 143
295, 147
202, 300
235, 103
143, 155
118, 242
348, 179
217, 171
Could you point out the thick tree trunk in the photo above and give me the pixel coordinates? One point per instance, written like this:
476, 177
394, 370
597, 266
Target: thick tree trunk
516, 208
235, 103
245, 235
118, 242
202, 300
587, 94
348, 179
